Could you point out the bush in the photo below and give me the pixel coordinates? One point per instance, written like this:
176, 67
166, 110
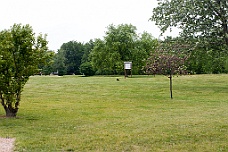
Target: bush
87, 69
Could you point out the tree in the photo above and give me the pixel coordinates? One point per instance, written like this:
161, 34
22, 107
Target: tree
87, 48
121, 39
168, 59
105, 60
59, 63
205, 20
118, 46
207, 60
87, 69
20, 54
86, 66
121, 43
73, 52
47, 68
145, 45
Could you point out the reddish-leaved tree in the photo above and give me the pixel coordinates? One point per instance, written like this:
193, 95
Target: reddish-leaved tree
169, 59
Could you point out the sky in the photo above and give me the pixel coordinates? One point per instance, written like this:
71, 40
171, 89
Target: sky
78, 20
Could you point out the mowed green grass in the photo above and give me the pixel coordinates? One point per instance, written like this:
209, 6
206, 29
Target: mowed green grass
74, 113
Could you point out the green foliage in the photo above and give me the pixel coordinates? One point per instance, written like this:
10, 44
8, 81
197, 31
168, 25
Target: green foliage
105, 60
47, 67
121, 39
70, 57
87, 69
203, 23
121, 43
226, 65
145, 46
47, 70
206, 58
87, 47
206, 19
72, 52
59, 66
21, 53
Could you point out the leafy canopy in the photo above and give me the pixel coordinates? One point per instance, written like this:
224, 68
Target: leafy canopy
121, 43
205, 19
20, 54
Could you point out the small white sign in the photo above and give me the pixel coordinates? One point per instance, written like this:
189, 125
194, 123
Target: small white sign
127, 65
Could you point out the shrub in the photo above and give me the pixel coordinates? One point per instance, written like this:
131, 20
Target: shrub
87, 69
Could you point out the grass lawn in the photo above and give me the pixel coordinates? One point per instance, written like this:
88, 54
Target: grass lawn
74, 113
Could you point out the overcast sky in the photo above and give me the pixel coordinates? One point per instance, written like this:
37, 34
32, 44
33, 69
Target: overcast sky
79, 20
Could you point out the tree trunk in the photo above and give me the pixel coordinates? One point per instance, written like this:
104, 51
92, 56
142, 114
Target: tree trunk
11, 108
171, 86
11, 113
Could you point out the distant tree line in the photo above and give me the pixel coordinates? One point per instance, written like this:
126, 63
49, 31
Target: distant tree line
104, 56
203, 37
122, 43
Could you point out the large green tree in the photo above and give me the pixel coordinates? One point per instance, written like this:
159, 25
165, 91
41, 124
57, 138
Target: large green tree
121, 43
207, 59
206, 19
145, 45
86, 66
87, 48
73, 52
58, 65
105, 60
121, 39
204, 23
20, 54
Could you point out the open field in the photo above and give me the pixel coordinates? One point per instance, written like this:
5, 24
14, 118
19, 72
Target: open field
74, 113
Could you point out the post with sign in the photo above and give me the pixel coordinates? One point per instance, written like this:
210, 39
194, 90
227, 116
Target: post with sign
127, 68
